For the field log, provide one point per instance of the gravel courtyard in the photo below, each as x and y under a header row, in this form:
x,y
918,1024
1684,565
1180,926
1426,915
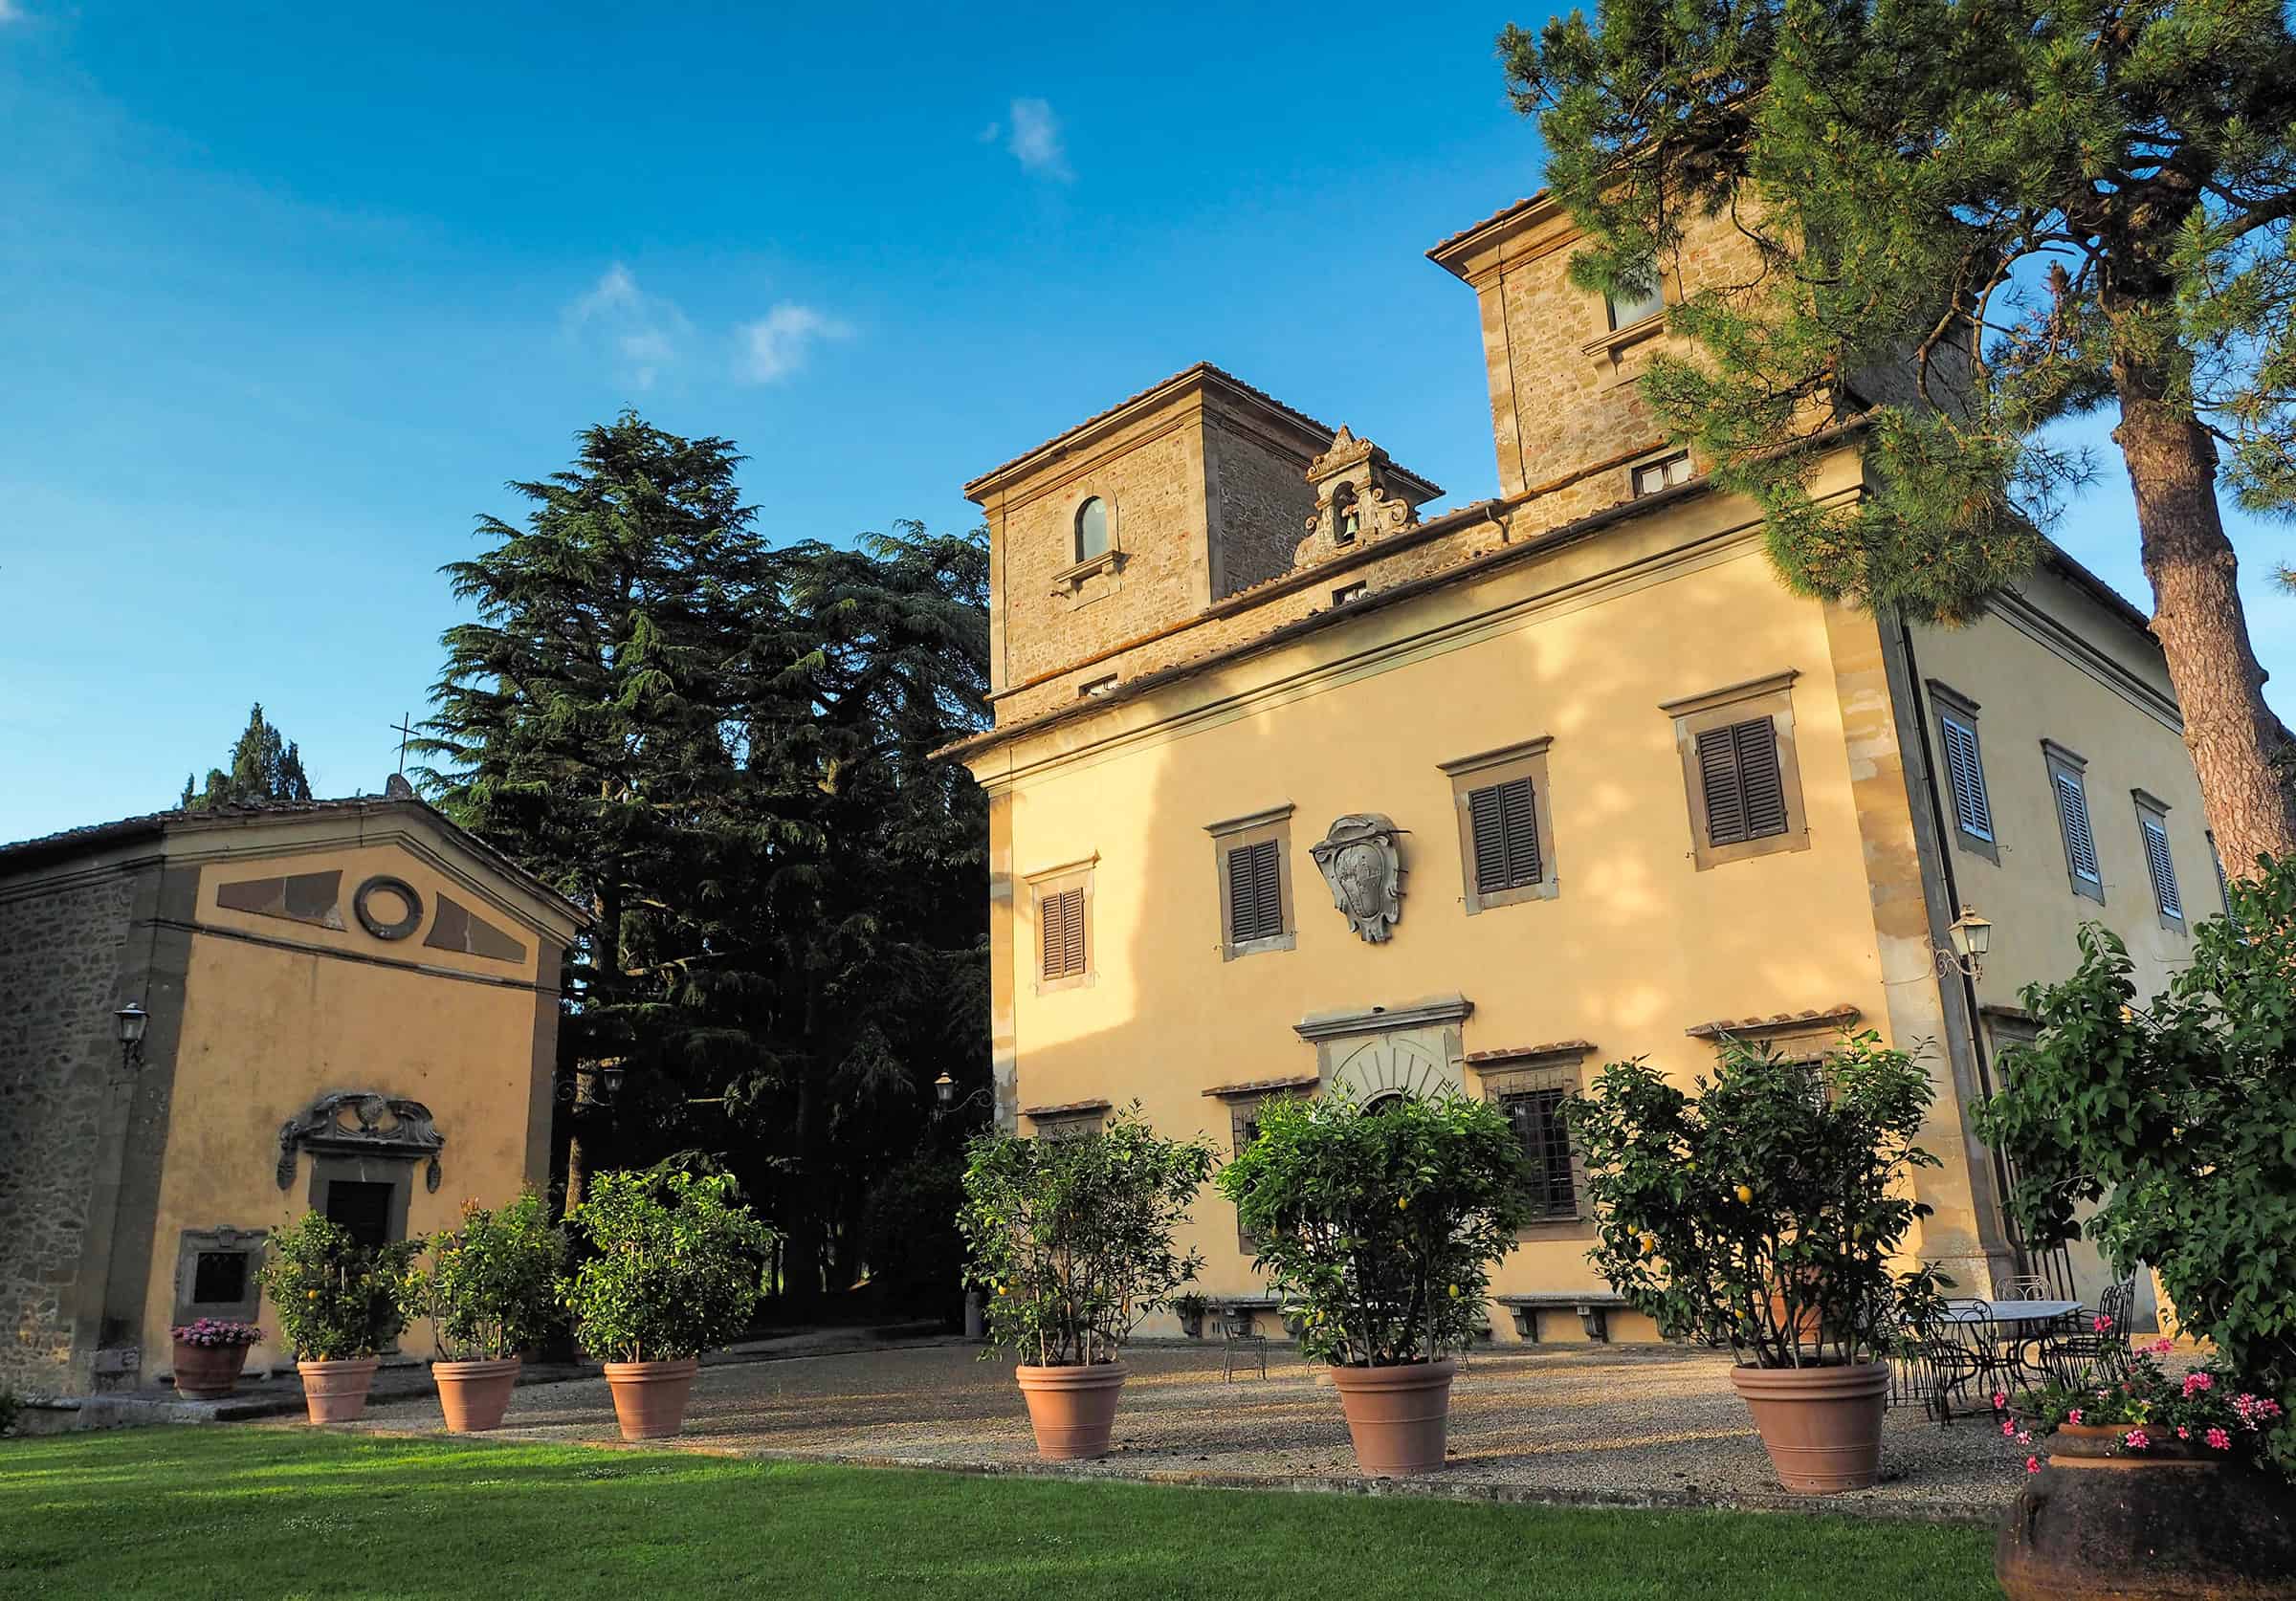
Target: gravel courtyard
x,y
1625,1425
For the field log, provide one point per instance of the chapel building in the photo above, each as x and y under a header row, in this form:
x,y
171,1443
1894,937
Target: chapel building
x,y
1295,782
350,1007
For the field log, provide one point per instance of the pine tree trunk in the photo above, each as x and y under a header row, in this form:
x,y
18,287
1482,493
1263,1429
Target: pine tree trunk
x,y
2202,627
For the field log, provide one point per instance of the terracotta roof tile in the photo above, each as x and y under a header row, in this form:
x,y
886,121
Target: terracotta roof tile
x,y
1841,1015
1500,216
1200,369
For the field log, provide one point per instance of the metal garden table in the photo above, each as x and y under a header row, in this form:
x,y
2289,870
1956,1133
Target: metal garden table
x,y
2020,1325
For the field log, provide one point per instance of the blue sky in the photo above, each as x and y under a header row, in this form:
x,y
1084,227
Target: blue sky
x,y
288,291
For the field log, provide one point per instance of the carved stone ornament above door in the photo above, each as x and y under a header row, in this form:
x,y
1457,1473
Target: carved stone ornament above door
x,y
379,1125
1359,859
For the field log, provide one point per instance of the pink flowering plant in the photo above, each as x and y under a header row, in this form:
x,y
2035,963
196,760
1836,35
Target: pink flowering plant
x,y
210,1333
2159,1126
2151,1410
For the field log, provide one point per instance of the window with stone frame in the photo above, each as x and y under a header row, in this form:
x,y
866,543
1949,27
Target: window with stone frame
x,y
216,1274
1068,1121
1962,771
1798,1042
2069,791
1506,820
1631,306
2152,828
1741,775
1649,477
1092,529
1532,1089
1251,857
1060,901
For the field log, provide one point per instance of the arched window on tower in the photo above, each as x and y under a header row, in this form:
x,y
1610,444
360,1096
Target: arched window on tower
x,y
1092,529
1347,520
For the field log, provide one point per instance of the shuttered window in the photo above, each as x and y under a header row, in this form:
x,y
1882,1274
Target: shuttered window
x,y
2163,866
1738,773
1504,819
1060,933
1256,895
2072,816
1973,812
1538,1123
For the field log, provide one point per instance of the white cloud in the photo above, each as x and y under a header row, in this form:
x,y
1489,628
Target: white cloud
x,y
1035,141
775,345
646,333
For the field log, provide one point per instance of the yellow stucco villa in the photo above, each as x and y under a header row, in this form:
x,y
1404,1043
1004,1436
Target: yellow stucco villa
x,y
1295,785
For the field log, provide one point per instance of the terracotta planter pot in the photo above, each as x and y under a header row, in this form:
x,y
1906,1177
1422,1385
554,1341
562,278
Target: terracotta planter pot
x,y
1822,1426
2092,1526
1071,1409
208,1373
474,1394
1400,1417
650,1397
336,1391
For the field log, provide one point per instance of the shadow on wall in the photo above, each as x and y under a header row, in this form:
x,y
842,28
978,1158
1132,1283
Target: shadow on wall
x,y
1636,947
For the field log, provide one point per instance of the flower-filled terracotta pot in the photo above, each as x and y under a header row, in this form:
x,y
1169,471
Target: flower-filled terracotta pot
x,y
2090,1524
208,1373
474,1395
1822,1426
1071,1409
336,1391
650,1397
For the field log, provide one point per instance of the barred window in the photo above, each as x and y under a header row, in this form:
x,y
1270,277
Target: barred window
x,y
1539,1124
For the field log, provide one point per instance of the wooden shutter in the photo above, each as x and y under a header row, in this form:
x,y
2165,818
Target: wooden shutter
x,y
1745,791
2164,870
1504,821
2072,815
1060,933
1255,891
1972,814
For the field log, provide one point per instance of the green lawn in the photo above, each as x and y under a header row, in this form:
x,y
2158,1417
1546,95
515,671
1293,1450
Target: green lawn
x,y
259,1514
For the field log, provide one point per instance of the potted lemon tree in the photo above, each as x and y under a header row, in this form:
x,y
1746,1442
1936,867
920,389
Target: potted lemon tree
x,y
489,1289
678,1269
1764,1214
1379,1225
338,1306
1070,1244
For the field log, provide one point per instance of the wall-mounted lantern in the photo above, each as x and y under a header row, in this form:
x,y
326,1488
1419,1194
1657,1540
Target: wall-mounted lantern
x,y
130,1022
1972,936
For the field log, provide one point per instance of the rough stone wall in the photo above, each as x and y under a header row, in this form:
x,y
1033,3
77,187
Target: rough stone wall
x,y
1155,492
1380,569
60,955
1264,500
1572,385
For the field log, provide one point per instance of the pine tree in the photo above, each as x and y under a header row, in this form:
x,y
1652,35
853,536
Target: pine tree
x,y
2030,212
264,768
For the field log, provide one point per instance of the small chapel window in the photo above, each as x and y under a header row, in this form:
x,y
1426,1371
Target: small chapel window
x,y
1092,529
1347,520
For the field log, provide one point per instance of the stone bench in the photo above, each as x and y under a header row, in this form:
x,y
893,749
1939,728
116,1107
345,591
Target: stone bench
x,y
1592,1306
